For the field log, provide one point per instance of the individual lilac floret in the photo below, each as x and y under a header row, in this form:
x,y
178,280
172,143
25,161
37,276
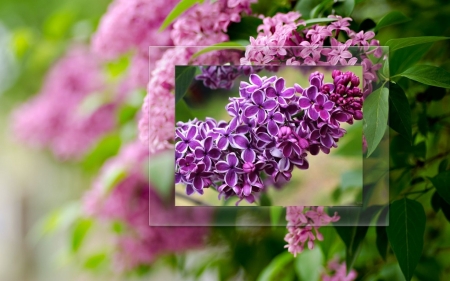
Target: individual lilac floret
x,y
223,76
273,128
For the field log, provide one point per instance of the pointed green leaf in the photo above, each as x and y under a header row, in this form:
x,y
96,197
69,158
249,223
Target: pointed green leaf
x,y
442,184
344,7
402,59
177,11
80,231
428,75
382,239
276,270
405,233
392,18
375,118
395,44
399,112
183,78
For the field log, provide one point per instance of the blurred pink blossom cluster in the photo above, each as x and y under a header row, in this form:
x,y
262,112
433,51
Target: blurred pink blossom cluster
x,y
303,227
202,25
127,200
132,24
72,110
338,272
285,39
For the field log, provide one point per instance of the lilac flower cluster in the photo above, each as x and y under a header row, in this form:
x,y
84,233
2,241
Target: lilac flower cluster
x,y
282,41
303,222
272,130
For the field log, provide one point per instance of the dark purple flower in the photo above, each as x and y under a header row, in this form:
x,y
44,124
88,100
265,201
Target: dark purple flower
x,y
230,168
259,106
187,164
198,177
323,106
187,140
272,119
248,153
279,93
226,135
307,102
207,152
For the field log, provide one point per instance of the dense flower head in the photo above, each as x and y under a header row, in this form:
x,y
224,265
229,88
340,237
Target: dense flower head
x,y
272,129
280,41
128,202
72,110
132,24
338,272
303,227
204,24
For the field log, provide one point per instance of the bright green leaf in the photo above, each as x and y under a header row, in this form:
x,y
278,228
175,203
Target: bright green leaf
x,y
305,7
79,232
276,214
161,173
177,11
237,45
375,118
405,233
105,148
183,112
308,264
442,184
94,261
428,75
183,78
315,21
399,112
392,18
395,44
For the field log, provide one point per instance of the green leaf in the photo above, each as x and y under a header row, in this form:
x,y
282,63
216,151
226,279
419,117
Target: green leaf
x,y
375,118
305,7
183,112
344,8
318,20
105,148
400,112
405,233
382,239
352,179
392,18
442,184
428,75
244,29
80,231
159,166
402,59
443,166
264,200
308,264
237,45
395,44
277,269
177,11
436,202
183,78
94,261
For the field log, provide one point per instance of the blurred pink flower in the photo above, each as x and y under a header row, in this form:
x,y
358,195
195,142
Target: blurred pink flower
x,y
130,24
338,272
128,201
72,111
301,223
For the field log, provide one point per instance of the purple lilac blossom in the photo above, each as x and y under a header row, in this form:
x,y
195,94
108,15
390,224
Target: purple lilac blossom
x,y
272,130
338,272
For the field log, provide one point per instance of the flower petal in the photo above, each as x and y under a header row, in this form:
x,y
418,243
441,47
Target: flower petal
x,y
214,153
240,141
269,104
279,85
304,103
311,93
222,167
288,93
271,92
328,105
222,144
192,132
251,111
325,115
181,146
231,178
272,128
232,160
248,155
258,97
313,114
255,79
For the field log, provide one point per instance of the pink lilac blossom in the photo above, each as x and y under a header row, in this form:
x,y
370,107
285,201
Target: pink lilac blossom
x,y
303,226
338,272
60,117
130,24
280,42
128,202
199,26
